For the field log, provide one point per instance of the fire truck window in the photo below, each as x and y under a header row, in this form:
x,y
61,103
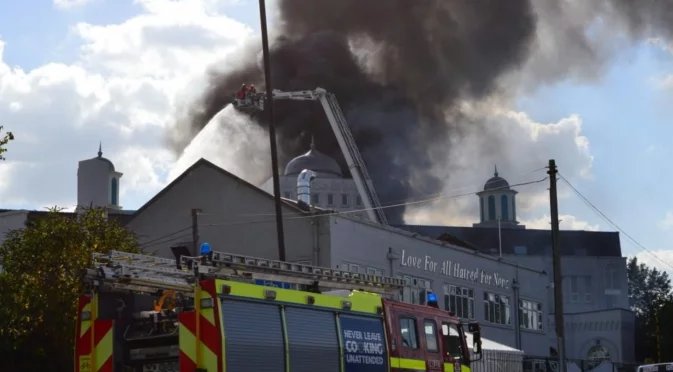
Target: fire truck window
x,y
431,335
451,339
408,333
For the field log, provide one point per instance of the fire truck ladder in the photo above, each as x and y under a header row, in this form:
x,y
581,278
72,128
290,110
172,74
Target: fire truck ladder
x,y
348,147
147,274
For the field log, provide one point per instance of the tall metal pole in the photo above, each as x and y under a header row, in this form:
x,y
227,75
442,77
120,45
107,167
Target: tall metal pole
x,y
272,132
558,281
195,231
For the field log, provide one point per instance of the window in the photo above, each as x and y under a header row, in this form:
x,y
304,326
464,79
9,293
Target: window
x,y
530,315
431,341
373,271
415,290
355,268
513,208
491,208
588,289
481,208
358,200
408,333
611,279
504,207
330,199
521,250
452,340
315,199
459,300
496,309
574,289
344,199
114,191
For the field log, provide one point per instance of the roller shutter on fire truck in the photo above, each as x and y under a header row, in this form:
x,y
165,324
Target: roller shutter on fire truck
x,y
253,336
312,339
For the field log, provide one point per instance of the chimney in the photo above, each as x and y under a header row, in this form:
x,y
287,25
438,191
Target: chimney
x,y
304,186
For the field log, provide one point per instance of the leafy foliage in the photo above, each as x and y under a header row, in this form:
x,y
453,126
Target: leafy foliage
x,y
43,264
651,297
4,141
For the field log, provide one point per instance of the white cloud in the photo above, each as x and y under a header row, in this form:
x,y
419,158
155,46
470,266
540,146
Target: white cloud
x,y
122,89
130,78
566,222
660,259
667,222
529,147
67,4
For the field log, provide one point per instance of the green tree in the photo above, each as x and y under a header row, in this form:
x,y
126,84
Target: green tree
x,y
650,295
4,141
43,263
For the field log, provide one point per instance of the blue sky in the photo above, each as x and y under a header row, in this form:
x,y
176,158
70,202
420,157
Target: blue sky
x,y
626,114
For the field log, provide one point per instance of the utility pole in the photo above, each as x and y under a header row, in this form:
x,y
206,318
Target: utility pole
x,y
195,231
272,132
558,279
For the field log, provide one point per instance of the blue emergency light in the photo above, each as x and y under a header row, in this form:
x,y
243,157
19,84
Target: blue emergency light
x,y
205,249
432,297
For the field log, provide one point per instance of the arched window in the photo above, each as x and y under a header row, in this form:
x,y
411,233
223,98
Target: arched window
x,y
481,208
114,188
491,208
597,354
513,208
504,207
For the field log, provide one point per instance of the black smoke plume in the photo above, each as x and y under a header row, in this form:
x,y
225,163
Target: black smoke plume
x,y
423,56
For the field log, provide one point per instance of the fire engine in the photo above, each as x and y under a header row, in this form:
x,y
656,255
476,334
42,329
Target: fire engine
x,y
218,312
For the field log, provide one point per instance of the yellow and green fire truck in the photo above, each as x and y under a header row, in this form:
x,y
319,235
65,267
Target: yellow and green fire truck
x,y
222,312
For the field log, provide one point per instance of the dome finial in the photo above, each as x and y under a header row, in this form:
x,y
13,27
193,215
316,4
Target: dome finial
x,y
100,149
312,142
495,173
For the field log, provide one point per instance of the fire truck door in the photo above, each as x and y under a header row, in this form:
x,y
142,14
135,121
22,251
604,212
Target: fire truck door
x,y
433,356
451,345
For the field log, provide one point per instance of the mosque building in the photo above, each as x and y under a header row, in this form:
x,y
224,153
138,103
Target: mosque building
x,y
496,272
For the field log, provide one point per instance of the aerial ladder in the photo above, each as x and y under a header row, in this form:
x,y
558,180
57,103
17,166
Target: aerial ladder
x,y
356,165
142,303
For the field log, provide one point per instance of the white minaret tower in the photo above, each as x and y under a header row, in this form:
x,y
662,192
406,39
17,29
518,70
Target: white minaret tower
x,y
98,183
497,204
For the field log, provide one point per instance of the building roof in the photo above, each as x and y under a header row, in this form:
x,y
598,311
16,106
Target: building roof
x,y
496,182
313,160
203,162
536,242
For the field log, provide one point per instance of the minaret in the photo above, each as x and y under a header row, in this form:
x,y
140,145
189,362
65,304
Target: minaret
x,y
98,183
497,204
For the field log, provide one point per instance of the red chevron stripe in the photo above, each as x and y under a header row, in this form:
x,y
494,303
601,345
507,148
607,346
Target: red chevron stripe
x,y
84,343
209,287
211,335
188,320
101,328
186,364
107,366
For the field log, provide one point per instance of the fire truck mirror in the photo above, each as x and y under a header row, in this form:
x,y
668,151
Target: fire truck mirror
x,y
476,337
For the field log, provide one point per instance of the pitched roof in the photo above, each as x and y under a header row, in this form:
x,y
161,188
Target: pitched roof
x,y
206,163
536,242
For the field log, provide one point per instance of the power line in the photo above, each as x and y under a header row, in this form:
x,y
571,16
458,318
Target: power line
x,y
608,220
426,198
327,213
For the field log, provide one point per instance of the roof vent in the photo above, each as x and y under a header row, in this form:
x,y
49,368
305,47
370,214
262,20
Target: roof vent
x,y
304,186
